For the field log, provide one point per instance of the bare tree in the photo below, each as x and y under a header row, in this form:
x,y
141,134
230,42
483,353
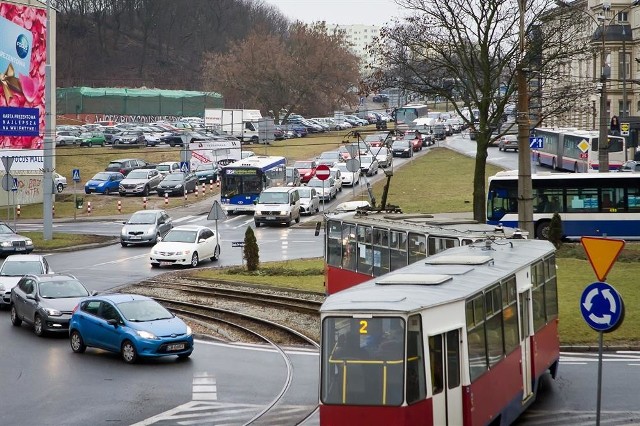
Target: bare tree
x,y
467,52
272,72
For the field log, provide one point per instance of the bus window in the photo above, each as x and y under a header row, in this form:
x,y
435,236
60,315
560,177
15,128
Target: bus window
x,y
582,200
365,249
398,249
509,315
334,243
501,202
612,200
436,362
493,304
438,244
633,199
417,247
551,288
476,340
453,359
380,251
416,386
537,294
349,246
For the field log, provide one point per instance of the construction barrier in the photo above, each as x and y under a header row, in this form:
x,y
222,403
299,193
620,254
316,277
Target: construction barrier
x,y
196,193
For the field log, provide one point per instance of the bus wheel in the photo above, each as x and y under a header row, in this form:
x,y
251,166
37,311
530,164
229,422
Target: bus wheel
x,y
542,230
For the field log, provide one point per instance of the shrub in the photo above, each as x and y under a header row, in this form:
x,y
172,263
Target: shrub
x,y
555,230
251,250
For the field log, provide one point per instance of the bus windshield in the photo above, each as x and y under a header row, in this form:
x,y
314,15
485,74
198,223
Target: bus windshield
x,y
241,181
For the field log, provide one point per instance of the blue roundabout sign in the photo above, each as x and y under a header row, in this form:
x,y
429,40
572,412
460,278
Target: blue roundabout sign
x,y
602,307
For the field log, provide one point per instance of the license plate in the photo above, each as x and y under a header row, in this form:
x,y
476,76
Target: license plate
x,y
176,347
271,218
20,248
136,237
165,263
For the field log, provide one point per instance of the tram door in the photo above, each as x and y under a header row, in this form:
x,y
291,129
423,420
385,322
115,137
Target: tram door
x,y
446,388
525,342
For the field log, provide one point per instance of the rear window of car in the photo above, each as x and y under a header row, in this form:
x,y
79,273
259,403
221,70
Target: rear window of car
x,y
115,164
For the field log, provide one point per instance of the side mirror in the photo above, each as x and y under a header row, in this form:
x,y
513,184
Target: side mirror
x,y
202,240
124,222
255,202
113,322
31,296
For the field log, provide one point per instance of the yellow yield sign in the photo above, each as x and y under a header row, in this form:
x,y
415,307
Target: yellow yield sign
x,y
602,254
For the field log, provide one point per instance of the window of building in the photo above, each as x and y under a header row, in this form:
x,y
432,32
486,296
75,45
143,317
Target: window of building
x,y
624,65
623,16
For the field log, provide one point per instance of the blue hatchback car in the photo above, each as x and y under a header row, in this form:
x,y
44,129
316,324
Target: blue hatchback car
x,y
104,183
133,325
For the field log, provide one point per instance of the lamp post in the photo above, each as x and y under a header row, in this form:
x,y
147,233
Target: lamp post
x,y
47,172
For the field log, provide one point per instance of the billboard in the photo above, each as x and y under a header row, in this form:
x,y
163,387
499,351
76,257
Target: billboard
x,y
22,81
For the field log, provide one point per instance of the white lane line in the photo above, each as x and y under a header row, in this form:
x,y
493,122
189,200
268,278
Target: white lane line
x,y
182,219
204,387
243,224
112,261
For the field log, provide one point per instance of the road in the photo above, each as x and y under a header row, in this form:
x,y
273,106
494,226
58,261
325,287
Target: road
x,y
45,383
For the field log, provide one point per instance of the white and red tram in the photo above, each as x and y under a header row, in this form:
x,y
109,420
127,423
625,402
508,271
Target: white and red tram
x,y
460,338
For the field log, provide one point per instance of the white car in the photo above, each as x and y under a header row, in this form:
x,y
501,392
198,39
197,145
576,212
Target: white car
x,y
186,245
168,167
336,175
326,188
16,266
309,200
348,178
59,181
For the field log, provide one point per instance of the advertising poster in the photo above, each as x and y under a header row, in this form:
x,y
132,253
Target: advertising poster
x,y
22,81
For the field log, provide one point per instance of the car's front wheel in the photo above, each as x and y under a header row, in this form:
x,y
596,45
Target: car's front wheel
x,y
77,343
15,319
107,191
195,260
129,352
38,325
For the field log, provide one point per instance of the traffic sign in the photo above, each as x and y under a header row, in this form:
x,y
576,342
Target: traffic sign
x,y
216,212
624,129
7,182
237,243
602,307
323,172
14,188
75,175
602,253
7,162
352,150
184,166
583,145
536,143
353,165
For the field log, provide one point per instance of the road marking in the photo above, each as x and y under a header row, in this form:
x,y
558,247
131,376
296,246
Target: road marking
x,y
140,256
243,224
204,387
183,219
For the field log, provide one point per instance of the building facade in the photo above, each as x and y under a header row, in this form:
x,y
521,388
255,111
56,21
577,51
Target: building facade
x,y
359,37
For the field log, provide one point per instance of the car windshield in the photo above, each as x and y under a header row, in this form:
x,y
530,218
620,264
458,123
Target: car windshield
x,y
142,218
137,174
174,177
101,176
86,135
364,159
317,183
304,192
143,310
62,289
4,229
399,144
180,236
330,155
203,167
115,164
21,267
342,167
274,198
163,167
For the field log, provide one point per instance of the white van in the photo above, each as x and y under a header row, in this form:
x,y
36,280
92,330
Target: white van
x,y
277,205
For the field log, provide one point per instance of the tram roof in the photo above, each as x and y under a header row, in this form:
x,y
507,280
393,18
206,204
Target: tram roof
x,y
427,223
452,275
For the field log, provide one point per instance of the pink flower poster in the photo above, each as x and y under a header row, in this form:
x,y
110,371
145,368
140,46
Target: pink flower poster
x,y
22,76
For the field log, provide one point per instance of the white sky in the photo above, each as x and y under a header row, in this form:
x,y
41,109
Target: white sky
x,y
343,12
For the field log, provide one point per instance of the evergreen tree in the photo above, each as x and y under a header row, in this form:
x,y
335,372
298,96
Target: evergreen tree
x,y
251,250
555,230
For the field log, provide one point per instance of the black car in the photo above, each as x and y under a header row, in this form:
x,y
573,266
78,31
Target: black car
x,y
46,301
178,184
125,165
129,139
402,148
207,172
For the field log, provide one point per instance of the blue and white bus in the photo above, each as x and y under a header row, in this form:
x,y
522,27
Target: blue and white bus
x,y
590,204
242,181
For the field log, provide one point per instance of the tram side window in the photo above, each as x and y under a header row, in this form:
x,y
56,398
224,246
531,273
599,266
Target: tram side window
x,y
334,243
509,314
349,246
436,361
633,199
582,200
398,249
438,244
416,382
380,251
495,346
551,288
417,247
453,359
365,250
476,341
538,302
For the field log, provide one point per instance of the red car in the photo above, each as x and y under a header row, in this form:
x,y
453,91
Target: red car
x,y
416,142
307,169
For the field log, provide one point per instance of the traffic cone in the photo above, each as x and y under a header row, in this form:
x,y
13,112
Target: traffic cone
x,y
211,185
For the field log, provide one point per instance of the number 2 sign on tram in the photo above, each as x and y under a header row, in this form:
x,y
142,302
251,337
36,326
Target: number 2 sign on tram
x,y
322,172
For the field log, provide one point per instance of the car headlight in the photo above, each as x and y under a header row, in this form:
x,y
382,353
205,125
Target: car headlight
x,y
121,187
28,242
7,244
189,331
146,335
140,185
2,288
283,213
178,186
53,312
258,212
151,231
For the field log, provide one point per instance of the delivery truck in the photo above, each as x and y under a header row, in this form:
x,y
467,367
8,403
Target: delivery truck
x,y
241,123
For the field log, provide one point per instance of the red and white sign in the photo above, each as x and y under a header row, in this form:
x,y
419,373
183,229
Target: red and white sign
x,y
322,172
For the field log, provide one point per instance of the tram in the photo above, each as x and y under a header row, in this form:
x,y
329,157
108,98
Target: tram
x,y
461,338
362,245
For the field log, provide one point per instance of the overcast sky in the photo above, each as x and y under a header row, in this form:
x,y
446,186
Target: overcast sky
x,y
343,12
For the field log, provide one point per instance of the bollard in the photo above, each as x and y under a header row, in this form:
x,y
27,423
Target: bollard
x,y
18,211
211,185
196,193
144,202
53,210
88,207
218,183
204,189
119,206
166,198
185,195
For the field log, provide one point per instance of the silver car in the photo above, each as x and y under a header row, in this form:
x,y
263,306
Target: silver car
x,y
17,266
46,301
383,155
145,227
140,182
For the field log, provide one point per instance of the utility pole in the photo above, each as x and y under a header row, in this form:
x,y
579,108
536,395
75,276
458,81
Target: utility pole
x,y
525,191
603,139
47,172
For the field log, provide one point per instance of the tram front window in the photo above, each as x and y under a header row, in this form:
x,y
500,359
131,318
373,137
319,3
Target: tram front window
x,y
363,361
